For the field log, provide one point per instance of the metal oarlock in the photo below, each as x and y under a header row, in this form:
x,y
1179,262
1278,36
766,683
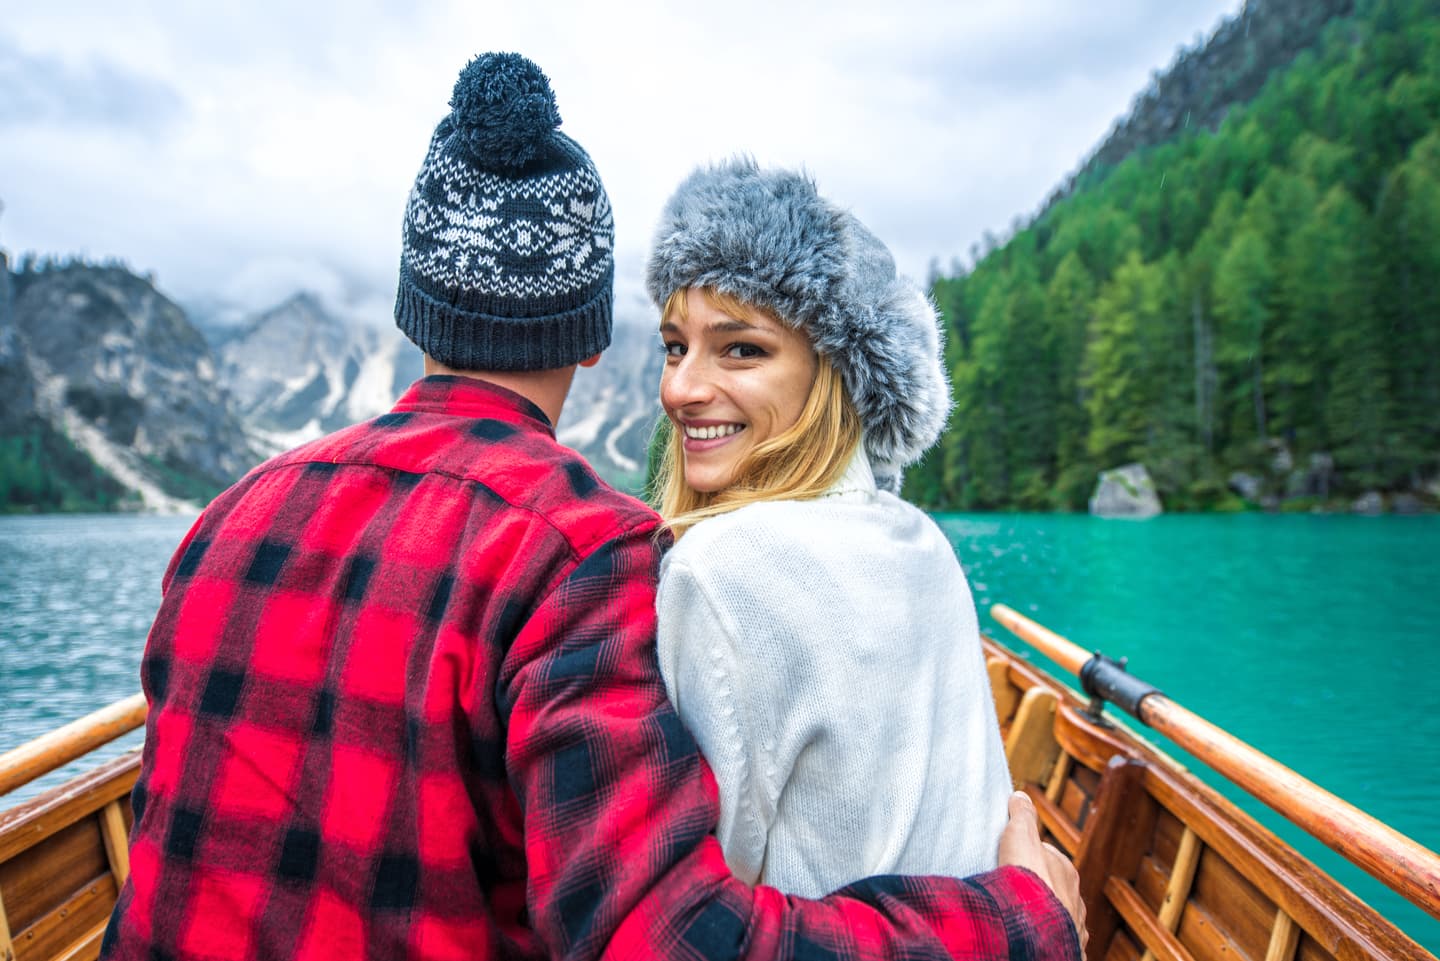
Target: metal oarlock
x,y
1106,679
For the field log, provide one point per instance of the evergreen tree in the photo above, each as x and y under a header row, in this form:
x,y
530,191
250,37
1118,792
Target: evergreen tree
x,y
1068,307
1409,221
1120,381
1243,288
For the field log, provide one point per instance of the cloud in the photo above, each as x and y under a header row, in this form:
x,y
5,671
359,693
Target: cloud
x,y
199,141
43,90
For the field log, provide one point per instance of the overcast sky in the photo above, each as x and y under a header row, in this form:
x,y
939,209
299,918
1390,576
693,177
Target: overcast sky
x,y
252,149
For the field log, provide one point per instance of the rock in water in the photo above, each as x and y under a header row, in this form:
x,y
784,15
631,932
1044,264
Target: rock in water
x,y
1369,502
1125,492
1249,486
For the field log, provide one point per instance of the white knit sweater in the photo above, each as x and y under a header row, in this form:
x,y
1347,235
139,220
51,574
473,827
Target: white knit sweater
x,y
826,656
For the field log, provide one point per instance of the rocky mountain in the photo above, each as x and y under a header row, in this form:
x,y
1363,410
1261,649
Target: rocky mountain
x,y
114,399
297,371
16,385
104,364
613,406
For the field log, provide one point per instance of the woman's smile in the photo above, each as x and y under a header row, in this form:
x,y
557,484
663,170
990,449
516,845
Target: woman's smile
x,y
700,437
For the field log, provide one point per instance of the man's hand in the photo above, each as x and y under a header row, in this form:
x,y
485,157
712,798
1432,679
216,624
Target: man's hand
x,y
1020,846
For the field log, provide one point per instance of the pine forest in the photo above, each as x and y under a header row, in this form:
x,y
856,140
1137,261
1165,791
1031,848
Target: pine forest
x,y
1250,308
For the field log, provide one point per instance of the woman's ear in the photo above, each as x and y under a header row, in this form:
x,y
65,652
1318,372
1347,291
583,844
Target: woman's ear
x,y
590,361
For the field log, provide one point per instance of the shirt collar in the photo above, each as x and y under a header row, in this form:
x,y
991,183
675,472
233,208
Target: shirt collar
x,y
471,397
858,477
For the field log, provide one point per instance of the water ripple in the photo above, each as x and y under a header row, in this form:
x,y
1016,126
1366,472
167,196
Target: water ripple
x,y
77,594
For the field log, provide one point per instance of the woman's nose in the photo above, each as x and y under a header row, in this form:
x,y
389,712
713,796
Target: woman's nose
x,y
684,383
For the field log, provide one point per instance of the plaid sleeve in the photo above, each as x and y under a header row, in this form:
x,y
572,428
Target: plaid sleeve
x,y
619,806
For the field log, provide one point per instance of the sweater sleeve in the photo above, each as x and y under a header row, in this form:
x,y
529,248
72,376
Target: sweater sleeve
x,y
618,805
701,662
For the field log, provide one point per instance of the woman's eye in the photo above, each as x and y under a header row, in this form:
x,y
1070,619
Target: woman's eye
x,y
744,351
673,349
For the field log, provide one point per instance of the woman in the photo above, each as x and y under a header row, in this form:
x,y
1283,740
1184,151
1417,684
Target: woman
x,y
816,632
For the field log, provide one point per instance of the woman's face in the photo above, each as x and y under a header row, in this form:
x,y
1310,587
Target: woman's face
x,y
730,383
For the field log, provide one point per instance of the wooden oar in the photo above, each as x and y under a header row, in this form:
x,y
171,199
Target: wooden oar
x,y
1401,863
64,744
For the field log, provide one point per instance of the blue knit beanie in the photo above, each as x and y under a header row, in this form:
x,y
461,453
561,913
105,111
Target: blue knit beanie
x,y
507,256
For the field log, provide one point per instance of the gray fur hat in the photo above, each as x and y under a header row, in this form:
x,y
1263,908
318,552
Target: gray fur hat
x,y
768,238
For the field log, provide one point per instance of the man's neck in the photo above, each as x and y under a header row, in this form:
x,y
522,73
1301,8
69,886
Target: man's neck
x,y
546,389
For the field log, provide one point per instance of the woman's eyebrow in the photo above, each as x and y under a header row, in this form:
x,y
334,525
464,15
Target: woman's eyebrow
x,y
732,325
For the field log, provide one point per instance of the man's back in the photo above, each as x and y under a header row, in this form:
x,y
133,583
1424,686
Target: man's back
x,y
328,674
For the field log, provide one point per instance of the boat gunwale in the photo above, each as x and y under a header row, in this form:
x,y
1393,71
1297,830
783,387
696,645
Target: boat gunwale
x,y
1335,917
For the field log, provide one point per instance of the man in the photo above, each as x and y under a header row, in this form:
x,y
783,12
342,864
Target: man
x,y
404,698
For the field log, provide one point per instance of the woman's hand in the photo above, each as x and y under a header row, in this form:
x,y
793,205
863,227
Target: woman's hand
x,y
1020,846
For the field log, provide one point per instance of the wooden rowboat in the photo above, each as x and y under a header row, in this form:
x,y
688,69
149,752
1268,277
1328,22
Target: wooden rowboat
x,y
1169,869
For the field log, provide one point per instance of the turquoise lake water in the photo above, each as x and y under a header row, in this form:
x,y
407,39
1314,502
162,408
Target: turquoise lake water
x,y
1315,638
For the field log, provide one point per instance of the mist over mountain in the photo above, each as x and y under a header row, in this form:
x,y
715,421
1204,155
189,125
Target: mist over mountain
x,y
297,371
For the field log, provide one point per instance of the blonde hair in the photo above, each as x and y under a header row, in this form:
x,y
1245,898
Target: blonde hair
x,y
800,463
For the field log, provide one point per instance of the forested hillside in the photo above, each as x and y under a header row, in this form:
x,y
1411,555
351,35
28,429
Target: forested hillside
x,y
1252,309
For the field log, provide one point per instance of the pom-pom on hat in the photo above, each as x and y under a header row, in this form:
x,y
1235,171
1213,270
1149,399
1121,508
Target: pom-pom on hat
x,y
769,239
507,258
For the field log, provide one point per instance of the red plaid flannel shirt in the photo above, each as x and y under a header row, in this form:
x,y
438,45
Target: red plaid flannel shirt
x,y
405,704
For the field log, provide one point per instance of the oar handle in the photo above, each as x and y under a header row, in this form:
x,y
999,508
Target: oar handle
x,y
64,744
1062,651
1406,866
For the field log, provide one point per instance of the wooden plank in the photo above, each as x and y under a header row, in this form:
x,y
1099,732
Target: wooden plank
x,y
1339,922
1238,907
88,947
1025,675
1006,695
7,947
1168,831
1074,801
28,824
1030,746
1177,892
1117,835
1122,948
1206,939
1284,939
1058,777
1407,867
1151,880
64,744
61,929
1078,795
117,843
1310,950
1182,876
1091,744
1158,942
46,875
1054,820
